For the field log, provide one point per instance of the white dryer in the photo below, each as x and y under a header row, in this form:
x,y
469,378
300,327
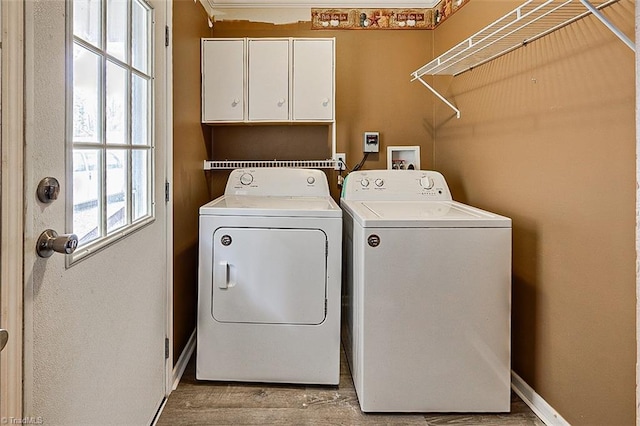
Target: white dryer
x,y
427,296
269,279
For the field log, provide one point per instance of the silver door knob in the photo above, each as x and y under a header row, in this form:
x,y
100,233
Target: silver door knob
x,y
4,336
50,242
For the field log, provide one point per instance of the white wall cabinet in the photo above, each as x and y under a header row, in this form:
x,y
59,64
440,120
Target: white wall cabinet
x,y
313,79
268,80
223,65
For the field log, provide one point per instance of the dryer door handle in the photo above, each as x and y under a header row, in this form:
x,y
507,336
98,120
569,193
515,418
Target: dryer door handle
x,y
221,274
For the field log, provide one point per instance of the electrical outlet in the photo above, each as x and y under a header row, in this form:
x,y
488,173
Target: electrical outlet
x,y
341,161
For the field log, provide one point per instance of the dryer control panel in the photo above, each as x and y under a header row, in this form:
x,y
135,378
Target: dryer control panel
x,y
277,182
390,185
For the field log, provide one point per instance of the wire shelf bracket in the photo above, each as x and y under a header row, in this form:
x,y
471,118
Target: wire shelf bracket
x,y
622,36
442,98
530,21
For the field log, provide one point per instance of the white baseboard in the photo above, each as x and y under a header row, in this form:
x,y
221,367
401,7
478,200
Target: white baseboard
x,y
178,370
538,405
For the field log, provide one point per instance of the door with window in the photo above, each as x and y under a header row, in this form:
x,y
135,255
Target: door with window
x,y
96,281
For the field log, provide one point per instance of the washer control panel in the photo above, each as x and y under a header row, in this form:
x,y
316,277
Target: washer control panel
x,y
390,185
277,181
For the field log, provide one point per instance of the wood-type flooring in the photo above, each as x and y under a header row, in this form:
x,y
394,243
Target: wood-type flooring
x,y
197,402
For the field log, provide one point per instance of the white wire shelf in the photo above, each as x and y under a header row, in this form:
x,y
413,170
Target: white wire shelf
x,y
532,20
246,164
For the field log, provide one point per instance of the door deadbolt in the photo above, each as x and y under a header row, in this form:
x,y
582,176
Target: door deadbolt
x,y
50,242
48,190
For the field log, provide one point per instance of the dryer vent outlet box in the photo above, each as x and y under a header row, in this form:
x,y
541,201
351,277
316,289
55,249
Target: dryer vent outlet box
x,y
371,141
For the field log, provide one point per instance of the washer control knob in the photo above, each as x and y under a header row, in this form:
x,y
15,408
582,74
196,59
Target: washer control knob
x,y
364,182
379,182
311,180
426,182
246,178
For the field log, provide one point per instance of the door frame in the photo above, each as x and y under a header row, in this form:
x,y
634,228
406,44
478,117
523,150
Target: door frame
x,y
12,212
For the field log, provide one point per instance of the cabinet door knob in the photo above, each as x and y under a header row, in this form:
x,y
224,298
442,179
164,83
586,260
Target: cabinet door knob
x,y
280,101
235,102
325,102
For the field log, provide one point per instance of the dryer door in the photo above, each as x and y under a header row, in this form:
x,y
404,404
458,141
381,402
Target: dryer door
x,y
269,275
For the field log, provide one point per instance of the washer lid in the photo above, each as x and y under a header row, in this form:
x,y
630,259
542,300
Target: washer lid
x,y
247,205
421,214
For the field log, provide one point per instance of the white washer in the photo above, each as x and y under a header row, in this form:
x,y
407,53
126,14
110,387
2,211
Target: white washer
x,y
427,296
269,279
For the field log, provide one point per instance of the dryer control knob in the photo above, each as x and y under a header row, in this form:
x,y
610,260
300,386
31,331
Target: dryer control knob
x,y
364,182
379,182
311,180
246,178
426,182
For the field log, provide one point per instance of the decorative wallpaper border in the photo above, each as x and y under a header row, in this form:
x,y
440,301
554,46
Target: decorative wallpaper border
x,y
384,18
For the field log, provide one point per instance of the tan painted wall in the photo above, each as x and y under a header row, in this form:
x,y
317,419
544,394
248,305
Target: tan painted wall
x,y
190,188
547,137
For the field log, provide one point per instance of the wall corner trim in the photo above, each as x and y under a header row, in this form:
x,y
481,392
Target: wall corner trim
x,y
185,356
538,405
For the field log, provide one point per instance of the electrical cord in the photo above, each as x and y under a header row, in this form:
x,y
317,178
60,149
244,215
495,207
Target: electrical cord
x,y
355,168
361,163
345,167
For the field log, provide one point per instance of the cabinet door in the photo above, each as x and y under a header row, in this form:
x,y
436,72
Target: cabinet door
x,y
269,79
223,80
313,79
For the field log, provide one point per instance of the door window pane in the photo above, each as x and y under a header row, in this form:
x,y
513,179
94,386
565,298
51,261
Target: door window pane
x,y
140,111
140,182
86,194
116,163
86,95
87,20
117,28
140,36
116,113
